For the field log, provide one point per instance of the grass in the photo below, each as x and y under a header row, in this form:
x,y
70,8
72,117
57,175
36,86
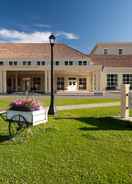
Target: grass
x,y
76,147
5,100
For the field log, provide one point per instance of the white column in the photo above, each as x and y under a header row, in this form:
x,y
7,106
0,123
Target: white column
x,y
104,81
46,80
65,83
125,100
119,81
4,82
93,82
97,81
90,87
101,82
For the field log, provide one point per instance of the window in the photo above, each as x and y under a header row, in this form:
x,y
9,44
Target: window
x,y
29,63
120,51
38,62
112,81
66,62
10,63
70,62
15,62
57,62
105,51
127,79
84,62
82,83
70,83
24,62
43,63
60,83
80,62
71,78
1,63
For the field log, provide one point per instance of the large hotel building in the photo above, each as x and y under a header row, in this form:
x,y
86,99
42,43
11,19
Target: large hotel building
x,y
103,70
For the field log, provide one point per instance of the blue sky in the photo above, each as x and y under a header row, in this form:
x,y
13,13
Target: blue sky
x,y
79,23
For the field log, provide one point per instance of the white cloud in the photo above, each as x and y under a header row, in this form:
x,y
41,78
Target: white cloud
x,y
70,36
8,35
42,25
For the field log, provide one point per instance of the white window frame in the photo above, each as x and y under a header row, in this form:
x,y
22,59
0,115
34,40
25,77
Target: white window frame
x,y
112,81
105,51
60,83
120,51
127,79
82,83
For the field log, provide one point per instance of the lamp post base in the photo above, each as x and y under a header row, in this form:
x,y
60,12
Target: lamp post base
x,y
52,110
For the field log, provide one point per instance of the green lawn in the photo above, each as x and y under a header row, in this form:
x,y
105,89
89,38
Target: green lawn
x,y
75,147
5,100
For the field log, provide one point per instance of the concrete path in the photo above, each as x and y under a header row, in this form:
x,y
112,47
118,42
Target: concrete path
x,y
80,106
87,106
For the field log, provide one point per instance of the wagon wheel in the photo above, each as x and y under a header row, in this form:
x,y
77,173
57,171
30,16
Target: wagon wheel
x,y
17,124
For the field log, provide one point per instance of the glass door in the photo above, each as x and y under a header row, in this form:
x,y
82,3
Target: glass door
x,y
72,84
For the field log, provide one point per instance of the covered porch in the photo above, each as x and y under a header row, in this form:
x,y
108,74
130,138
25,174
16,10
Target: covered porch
x,y
77,81
20,81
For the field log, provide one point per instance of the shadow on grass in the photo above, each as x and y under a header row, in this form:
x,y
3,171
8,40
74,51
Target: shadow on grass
x,y
101,123
105,123
4,138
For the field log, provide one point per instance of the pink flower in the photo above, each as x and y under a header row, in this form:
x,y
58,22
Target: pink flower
x,y
25,103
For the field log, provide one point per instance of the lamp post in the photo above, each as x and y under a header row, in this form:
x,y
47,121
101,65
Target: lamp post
x,y
51,110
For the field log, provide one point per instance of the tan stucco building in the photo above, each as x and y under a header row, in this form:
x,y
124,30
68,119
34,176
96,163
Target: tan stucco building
x,y
105,69
116,62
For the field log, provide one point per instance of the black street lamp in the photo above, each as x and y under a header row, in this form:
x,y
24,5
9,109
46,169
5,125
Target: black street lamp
x,y
51,110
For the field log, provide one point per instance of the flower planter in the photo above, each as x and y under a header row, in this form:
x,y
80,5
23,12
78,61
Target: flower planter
x,y
34,117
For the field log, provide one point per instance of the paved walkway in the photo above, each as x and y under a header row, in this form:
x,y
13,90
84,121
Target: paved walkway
x,y
87,106
81,106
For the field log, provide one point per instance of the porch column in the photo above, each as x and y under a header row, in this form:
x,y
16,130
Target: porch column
x,y
65,83
4,82
119,80
88,84
97,81
105,81
45,82
93,82
1,87
102,82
